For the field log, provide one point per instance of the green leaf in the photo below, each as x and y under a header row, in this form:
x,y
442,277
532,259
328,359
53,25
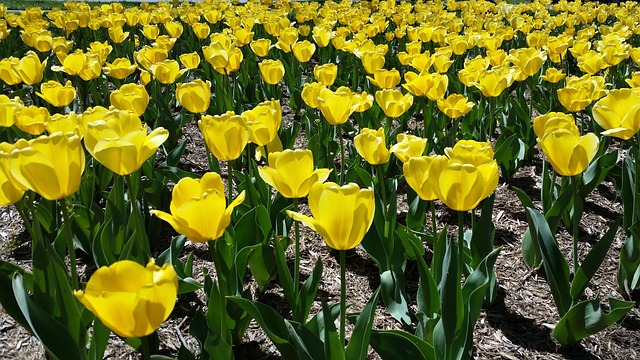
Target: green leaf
x,y
510,153
406,236
7,297
596,172
262,264
359,343
587,318
401,345
333,348
592,262
416,215
393,291
99,340
218,340
307,293
555,265
286,281
451,302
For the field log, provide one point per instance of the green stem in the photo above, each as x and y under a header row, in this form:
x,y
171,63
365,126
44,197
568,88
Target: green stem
x,y
635,212
229,183
341,155
343,295
145,349
460,242
434,225
577,212
141,233
69,236
296,268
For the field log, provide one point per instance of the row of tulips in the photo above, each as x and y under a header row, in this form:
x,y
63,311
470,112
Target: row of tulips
x,y
122,83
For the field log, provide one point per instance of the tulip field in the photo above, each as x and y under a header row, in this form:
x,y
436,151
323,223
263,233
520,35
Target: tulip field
x,y
320,180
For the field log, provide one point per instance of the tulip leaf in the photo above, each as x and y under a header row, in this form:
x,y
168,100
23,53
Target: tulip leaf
x,y
99,340
393,291
401,345
592,262
262,264
218,341
407,236
359,344
333,348
416,215
308,293
7,297
510,154
372,244
587,318
53,335
427,296
555,265
174,173
596,172
316,323
481,244
451,302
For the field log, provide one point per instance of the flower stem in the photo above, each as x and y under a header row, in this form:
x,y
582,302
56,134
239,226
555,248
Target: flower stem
x,y
296,266
69,236
229,183
141,233
343,295
575,226
460,242
341,155
434,225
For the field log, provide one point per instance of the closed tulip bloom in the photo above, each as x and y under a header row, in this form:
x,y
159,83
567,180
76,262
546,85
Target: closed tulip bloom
x,y
66,123
441,60
272,71
619,113
494,81
190,60
591,62
416,173
8,72
201,30
151,32
408,146
567,151
337,106
30,68
130,97
393,102
260,47
385,79
31,119
72,64
263,122
543,124
150,55
56,94
242,36
130,299
303,50
121,143
362,101
174,28
291,172
322,36
455,105
226,135
9,109
120,68
118,35
470,152
10,190
52,166
372,61
430,85
371,145
326,74
92,67
167,71
194,96
311,93
199,208
341,215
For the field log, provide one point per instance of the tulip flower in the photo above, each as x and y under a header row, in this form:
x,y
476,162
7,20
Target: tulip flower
x,y
574,98
494,81
337,106
385,79
272,71
52,166
148,56
130,299
263,122
567,151
167,71
416,173
12,191
29,68
553,75
619,113
201,30
260,47
193,198
31,119
174,29
303,50
9,109
371,146
408,146
8,72
372,61
291,172
528,61
326,73
120,68
194,96
433,86
322,36
393,102
56,94
120,142
311,93
455,105
131,97
341,215
226,135
151,31
117,35
66,123
190,60
553,121
441,60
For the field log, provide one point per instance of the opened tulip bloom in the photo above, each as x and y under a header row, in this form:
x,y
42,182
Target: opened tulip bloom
x,y
311,94
341,215
416,173
371,145
337,106
131,97
57,94
194,96
455,105
263,122
130,299
619,113
226,135
120,68
199,208
52,166
393,102
408,146
553,121
425,84
567,151
30,68
167,71
385,79
291,172
121,143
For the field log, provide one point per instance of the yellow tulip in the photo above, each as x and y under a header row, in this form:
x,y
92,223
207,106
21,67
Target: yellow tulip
x,y
120,142
433,86
322,36
151,32
494,81
130,97
553,121
130,299
193,198
66,123
272,71
263,122
591,62
393,102
167,71
634,81
190,60
385,79
416,173
56,94
31,119
553,75
372,61
291,172
8,72
371,146
12,191
574,98
117,35
341,215
303,50
9,110
194,96
326,73
455,105
337,106
201,30
261,47
619,113
242,36
30,68
174,29
311,94
148,56
52,166
528,60
567,151
226,135
441,60
497,57
408,146
120,68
